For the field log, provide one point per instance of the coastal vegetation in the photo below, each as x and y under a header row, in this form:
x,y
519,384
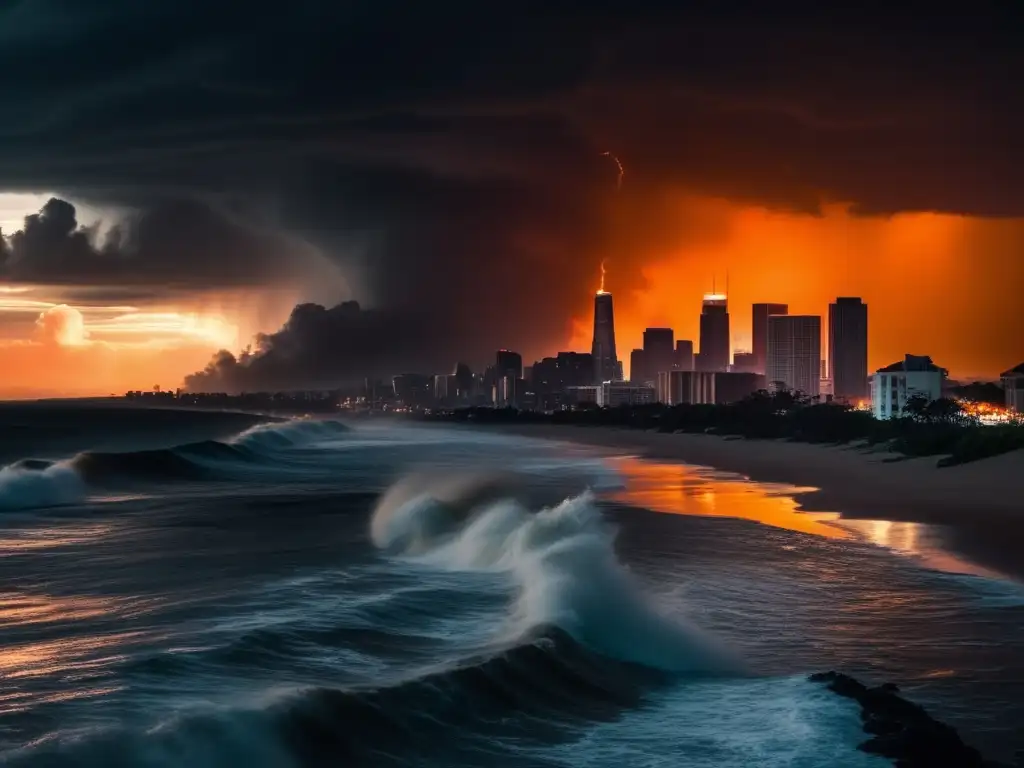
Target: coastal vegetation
x,y
941,428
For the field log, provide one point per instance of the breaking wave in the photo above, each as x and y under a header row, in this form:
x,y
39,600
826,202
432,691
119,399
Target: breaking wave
x,y
581,645
34,483
562,559
31,483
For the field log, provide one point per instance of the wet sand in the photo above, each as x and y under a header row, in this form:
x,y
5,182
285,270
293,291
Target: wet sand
x,y
976,509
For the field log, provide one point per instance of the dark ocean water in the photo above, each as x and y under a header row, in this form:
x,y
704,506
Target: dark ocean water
x,y
192,590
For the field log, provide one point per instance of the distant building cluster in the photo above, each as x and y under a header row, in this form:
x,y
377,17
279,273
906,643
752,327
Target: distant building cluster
x,y
786,356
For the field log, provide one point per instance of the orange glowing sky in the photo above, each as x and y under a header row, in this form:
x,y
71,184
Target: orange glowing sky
x,y
943,285
937,284
49,348
74,341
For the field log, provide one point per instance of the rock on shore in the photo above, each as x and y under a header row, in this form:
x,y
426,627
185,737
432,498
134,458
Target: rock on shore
x,y
901,730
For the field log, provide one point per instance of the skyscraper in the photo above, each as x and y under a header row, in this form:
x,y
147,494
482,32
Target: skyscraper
x,y
576,368
848,348
463,381
684,355
715,347
638,366
606,363
508,384
509,363
794,353
659,356
551,376
760,321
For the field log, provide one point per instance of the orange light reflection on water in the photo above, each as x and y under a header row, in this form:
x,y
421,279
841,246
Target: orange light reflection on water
x,y
12,543
66,655
19,609
688,490
701,491
912,539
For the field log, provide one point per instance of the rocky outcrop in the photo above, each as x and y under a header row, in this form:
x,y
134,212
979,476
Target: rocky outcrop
x,y
901,730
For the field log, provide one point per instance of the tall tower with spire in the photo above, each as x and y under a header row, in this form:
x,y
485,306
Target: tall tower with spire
x,y
606,362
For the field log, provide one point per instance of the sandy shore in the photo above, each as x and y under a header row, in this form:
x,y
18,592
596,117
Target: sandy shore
x,y
980,504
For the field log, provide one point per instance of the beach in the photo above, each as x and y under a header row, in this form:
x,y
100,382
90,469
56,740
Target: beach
x,y
977,508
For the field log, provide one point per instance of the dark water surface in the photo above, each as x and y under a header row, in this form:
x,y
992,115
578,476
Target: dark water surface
x,y
308,594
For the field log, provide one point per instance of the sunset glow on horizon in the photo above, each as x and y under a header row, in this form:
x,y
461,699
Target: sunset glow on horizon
x,y
49,348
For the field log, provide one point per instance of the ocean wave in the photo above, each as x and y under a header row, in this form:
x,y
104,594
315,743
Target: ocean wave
x,y
533,693
562,559
32,483
278,435
35,483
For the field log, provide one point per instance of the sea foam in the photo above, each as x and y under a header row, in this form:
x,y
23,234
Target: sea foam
x,y
563,562
25,486
36,483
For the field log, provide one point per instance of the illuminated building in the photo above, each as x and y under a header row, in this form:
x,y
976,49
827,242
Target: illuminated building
x,y
1013,384
848,348
659,352
760,328
606,362
507,383
686,387
706,387
715,346
616,393
893,385
684,355
794,353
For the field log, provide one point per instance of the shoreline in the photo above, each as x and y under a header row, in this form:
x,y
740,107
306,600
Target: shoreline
x,y
976,509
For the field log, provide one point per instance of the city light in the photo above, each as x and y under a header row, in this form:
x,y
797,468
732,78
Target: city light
x,y
988,414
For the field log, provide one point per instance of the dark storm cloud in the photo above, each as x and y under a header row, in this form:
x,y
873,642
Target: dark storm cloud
x,y
318,347
447,154
173,245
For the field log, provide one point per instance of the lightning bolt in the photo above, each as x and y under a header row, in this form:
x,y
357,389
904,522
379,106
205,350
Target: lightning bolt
x,y
618,163
618,186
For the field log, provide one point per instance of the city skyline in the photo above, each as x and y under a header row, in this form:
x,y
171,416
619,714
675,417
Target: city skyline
x,y
304,228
